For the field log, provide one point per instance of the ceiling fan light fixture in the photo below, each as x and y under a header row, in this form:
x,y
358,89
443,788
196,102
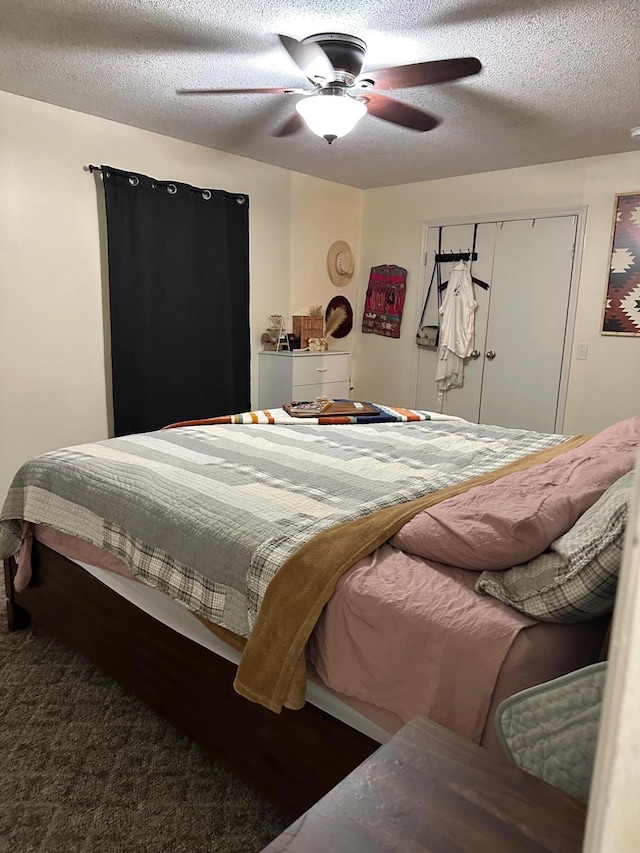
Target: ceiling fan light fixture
x,y
331,113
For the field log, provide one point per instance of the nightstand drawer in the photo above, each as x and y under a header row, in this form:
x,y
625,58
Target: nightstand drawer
x,y
321,367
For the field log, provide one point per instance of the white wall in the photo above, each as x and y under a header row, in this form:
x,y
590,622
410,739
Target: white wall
x,y
52,352
602,389
321,213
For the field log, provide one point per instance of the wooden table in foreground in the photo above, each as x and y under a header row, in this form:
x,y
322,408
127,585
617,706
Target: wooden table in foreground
x,y
430,790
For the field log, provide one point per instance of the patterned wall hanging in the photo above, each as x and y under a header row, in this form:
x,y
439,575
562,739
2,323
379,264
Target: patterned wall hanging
x,y
622,303
385,301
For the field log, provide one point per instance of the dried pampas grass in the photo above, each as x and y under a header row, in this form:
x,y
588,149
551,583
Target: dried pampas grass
x,y
335,318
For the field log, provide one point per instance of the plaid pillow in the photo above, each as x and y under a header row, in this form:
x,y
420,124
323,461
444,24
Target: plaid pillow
x,y
576,579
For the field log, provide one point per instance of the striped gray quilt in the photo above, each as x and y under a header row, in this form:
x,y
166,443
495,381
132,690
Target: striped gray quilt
x,y
209,514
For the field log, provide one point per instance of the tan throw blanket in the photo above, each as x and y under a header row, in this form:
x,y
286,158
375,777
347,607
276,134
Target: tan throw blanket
x,y
272,670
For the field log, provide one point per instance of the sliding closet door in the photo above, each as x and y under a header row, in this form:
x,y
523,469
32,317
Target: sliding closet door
x,y
463,402
527,322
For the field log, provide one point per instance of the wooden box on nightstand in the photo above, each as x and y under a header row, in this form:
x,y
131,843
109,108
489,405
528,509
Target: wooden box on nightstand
x,y
306,327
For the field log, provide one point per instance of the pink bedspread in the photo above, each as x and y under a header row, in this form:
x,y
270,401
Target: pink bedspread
x,y
413,637
512,520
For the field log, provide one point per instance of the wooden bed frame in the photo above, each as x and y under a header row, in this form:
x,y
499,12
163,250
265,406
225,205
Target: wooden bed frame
x,y
292,758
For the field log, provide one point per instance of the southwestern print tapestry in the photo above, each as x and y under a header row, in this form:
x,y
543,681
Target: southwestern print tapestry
x,y
622,303
384,302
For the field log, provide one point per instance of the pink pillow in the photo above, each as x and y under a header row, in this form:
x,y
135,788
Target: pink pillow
x,y
516,518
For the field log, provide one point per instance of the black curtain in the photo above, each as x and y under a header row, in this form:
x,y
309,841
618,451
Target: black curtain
x,y
179,301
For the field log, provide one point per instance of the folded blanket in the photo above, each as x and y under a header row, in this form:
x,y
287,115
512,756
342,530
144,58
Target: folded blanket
x,y
384,415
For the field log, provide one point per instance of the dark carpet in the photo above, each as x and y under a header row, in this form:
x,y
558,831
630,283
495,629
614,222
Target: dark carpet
x,y
85,768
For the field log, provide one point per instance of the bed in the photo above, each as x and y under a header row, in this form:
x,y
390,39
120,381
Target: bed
x,y
328,498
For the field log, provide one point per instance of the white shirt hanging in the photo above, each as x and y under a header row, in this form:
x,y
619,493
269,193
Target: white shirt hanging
x,y
457,330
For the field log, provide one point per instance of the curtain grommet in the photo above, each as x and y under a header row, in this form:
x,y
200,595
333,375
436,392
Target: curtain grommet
x,y
172,189
134,180
206,194
240,199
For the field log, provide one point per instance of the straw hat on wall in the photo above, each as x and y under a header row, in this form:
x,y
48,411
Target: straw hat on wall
x,y
340,263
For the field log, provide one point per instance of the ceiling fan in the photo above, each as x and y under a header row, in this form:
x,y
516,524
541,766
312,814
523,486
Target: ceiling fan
x,y
342,94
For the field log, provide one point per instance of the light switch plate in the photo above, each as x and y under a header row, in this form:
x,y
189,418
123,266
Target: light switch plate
x,y
581,351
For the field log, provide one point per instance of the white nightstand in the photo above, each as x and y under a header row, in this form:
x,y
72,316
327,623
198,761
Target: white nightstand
x,y
301,375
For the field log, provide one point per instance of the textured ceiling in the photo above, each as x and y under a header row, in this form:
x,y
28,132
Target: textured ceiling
x,y
561,78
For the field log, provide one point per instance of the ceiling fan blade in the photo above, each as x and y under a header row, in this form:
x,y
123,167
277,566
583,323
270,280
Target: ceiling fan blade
x,y
291,126
309,57
398,113
269,91
424,73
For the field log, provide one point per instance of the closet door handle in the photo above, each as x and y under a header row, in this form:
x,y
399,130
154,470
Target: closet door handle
x,y
321,369
475,353
490,354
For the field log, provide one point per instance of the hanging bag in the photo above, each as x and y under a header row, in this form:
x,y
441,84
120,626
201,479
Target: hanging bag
x,y
429,335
